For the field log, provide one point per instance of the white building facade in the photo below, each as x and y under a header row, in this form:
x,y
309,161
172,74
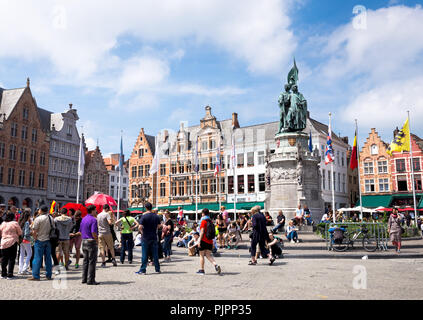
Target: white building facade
x,y
64,157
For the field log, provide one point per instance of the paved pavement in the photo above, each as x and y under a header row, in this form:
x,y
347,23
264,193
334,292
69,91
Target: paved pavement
x,y
288,278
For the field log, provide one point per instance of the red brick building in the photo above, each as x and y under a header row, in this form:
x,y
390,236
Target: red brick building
x,y
401,180
24,149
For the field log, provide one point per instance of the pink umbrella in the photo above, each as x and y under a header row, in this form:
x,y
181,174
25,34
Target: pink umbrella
x,y
100,199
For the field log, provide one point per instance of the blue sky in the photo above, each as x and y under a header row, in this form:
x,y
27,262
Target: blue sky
x,y
153,64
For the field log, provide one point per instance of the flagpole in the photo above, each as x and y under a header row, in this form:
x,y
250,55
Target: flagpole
x,y
358,168
79,167
218,177
197,168
332,174
120,176
234,171
158,172
412,169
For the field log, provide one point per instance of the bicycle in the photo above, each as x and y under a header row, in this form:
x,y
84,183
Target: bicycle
x,y
369,243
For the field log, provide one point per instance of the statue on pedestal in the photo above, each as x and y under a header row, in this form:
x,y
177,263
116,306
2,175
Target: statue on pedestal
x,y
293,105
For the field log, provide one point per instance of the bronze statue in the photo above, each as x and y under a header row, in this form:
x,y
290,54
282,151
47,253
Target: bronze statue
x,y
293,105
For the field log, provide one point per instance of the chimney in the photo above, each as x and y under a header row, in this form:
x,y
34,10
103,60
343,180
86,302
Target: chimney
x,y
70,105
27,82
345,139
235,122
396,132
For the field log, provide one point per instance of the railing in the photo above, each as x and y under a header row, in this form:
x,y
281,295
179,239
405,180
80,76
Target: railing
x,y
375,229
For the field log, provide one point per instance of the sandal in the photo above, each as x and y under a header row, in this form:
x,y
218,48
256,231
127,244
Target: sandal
x,y
251,263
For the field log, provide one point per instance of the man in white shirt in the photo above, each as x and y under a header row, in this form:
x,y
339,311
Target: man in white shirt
x,y
299,215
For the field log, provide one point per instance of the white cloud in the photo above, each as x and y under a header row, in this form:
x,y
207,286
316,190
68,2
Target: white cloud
x,y
204,90
78,36
386,106
389,48
141,72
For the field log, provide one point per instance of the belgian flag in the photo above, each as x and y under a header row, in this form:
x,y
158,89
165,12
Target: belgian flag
x,y
353,160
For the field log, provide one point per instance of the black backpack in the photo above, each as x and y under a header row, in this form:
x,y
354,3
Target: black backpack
x,y
210,230
338,235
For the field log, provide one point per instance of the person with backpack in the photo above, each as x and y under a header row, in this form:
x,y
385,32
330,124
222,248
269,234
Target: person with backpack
x,y
42,227
205,241
128,225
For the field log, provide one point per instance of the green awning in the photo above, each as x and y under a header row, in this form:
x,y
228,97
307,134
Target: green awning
x,y
376,201
214,206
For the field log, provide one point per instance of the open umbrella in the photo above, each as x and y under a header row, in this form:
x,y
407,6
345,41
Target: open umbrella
x,y
383,209
76,206
99,200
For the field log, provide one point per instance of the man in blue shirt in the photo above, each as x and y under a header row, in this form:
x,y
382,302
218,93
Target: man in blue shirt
x,y
149,224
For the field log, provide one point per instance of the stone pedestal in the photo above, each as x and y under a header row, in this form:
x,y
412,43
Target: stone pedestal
x,y
293,177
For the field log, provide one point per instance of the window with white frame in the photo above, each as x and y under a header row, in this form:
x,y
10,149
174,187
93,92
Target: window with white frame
x,y
382,166
368,167
383,185
369,185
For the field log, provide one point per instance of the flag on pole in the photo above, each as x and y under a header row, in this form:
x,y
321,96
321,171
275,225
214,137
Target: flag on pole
x,y
121,157
310,143
217,166
156,159
81,160
401,141
53,204
353,160
329,150
233,154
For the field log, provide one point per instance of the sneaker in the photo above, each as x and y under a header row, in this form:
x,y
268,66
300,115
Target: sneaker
x,y
158,272
57,272
21,273
4,277
141,273
9,278
201,272
298,241
76,266
26,272
103,264
218,269
114,263
292,241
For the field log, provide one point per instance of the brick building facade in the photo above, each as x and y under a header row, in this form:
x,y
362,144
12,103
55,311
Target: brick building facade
x,y
142,185
24,149
96,177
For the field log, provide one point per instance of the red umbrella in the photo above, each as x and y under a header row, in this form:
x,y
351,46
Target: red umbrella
x,y
137,211
76,206
406,209
100,199
384,209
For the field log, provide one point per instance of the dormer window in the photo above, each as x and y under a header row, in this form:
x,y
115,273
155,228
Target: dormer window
x,y
374,149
